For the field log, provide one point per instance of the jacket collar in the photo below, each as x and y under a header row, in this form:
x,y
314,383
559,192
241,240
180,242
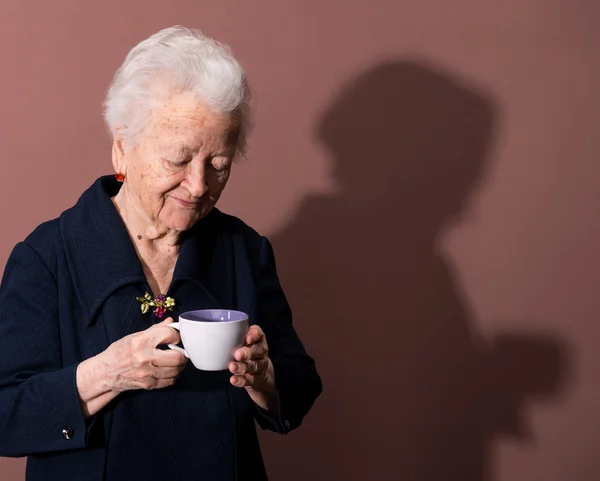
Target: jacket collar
x,y
102,258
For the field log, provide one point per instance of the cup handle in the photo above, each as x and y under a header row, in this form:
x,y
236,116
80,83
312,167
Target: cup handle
x,y
175,325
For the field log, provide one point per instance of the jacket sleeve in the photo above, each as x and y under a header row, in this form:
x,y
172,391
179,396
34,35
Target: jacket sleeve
x,y
296,378
40,409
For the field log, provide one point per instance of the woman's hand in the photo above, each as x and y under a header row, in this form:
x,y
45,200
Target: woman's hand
x,y
132,362
253,369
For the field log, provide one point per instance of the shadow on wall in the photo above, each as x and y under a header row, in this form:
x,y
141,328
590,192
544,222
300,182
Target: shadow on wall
x,y
412,392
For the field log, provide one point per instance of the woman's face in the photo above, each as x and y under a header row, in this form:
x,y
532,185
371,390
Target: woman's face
x,y
180,162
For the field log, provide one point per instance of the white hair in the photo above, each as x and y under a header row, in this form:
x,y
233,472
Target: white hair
x,y
182,59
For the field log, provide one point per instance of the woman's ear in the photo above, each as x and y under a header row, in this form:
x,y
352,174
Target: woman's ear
x,y
118,154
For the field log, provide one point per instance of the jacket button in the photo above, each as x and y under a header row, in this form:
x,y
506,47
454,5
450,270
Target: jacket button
x,y
67,433
286,423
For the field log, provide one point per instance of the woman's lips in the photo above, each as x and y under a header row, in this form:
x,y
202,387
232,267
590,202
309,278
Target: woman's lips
x,y
186,204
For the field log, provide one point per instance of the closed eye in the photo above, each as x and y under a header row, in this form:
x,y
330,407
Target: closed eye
x,y
179,161
218,164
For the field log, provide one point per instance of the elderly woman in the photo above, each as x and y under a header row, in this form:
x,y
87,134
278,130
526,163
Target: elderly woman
x,y
87,390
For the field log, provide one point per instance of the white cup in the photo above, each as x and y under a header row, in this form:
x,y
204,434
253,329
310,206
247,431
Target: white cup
x,y
210,337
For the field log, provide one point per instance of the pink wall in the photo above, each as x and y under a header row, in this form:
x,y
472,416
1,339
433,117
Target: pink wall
x,y
427,171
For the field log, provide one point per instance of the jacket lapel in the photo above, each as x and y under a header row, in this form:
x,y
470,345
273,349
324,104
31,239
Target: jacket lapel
x,y
99,252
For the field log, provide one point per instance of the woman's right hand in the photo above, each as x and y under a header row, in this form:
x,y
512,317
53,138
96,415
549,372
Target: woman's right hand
x,y
132,362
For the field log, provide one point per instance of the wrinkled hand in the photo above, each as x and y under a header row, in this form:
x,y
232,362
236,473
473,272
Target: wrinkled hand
x,y
133,362
253,368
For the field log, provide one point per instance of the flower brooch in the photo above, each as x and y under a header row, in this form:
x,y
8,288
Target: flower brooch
x,y
160,304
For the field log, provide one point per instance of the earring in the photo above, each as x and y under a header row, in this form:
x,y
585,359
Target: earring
x,y
120,177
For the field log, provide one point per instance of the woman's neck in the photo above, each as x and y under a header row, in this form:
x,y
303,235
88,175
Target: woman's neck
x,y
157,247
143,229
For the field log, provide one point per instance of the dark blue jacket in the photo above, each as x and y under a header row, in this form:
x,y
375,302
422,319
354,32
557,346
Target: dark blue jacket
x,y
69,291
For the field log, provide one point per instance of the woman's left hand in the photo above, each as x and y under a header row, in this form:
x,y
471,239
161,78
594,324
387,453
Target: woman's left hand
x,y
253,370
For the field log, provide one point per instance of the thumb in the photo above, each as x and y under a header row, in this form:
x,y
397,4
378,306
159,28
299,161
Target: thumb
x,y
161,333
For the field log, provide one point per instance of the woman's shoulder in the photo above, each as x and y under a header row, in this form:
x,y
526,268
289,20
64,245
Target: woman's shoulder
x,y
46,238
232,225
45,232
43,243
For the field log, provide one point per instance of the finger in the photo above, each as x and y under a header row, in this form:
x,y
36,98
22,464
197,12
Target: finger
x,y
251,367
254,335
163,383
170,358
168,320
256,351
168,372
153,382
245,380
239,368
258,367
162,334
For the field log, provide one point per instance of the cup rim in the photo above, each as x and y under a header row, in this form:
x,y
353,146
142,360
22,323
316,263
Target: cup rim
x,y
182,316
